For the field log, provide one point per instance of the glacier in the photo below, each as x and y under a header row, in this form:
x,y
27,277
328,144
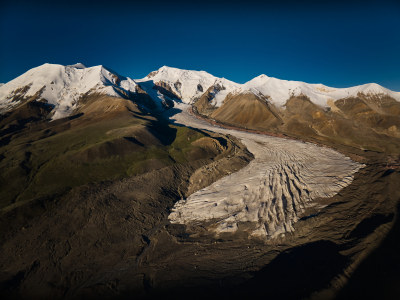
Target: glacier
x,y
272,192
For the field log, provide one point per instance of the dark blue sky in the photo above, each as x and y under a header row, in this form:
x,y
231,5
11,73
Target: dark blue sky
x,y
314,41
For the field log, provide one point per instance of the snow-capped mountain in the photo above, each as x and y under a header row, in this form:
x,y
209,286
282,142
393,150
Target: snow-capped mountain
x,y
188,85
279,91
62,86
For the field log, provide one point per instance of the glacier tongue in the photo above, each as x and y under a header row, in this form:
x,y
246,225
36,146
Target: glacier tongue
x,y
271,192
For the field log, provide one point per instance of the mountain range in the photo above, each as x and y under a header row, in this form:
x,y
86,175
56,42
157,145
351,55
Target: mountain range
x,y
62,86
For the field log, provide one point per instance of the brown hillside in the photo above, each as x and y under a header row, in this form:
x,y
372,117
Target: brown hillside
x,y
369,123
380,114
246,110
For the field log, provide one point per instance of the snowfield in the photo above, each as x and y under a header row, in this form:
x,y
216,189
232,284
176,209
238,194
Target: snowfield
x,y
272,191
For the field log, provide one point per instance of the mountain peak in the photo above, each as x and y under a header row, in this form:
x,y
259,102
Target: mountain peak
x,y
78,66
259,79
167,68
179,72
262,76
374,88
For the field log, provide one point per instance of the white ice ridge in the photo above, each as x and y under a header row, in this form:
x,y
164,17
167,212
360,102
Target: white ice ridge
x,y
272,191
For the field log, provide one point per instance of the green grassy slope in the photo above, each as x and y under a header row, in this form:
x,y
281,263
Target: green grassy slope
x,y
41,159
